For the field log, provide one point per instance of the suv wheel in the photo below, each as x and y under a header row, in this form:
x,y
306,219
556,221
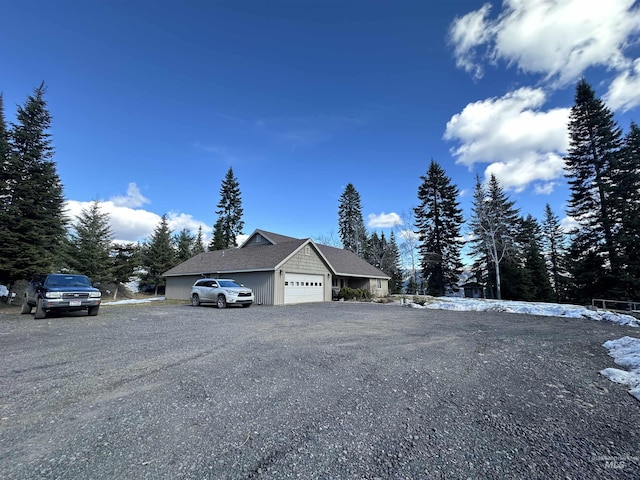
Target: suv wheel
x,y
93,311
40,312
26,308
222,301
195,300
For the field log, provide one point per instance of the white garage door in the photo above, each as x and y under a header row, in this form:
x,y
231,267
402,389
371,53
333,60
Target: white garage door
x,y
299,288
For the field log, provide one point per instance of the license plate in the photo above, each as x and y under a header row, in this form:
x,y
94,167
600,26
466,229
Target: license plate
x,y
75,303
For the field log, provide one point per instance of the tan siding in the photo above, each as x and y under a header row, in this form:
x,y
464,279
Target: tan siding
x,y
302,263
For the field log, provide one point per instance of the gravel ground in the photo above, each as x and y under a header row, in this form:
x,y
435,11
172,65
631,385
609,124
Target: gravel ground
x,y
334,390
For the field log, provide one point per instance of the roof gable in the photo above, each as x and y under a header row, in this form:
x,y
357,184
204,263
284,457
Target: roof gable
x,y
270,255
270,237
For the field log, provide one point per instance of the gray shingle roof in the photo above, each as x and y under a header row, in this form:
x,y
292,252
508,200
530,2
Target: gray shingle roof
x,y
252,258
345,262
269,257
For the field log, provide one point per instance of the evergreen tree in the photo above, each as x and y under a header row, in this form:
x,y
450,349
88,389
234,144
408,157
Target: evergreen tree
x,y
90,244
217,240
184,243
494,222
412,286
553,241
589,276
32,209
229,224
374,253
595,142
438,220
627,195
198,243
125,261
158,255
353,233
393,265
535,267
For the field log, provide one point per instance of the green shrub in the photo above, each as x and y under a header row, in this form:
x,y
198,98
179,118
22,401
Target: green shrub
x,y
354,294
419,300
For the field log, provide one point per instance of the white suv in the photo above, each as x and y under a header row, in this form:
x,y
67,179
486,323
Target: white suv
x,y
221,291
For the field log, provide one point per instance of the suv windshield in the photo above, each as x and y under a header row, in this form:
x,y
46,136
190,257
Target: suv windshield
x,y
67,281
228,283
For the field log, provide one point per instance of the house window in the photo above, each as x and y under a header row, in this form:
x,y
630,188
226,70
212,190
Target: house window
x,y
258,238
307,250
378,283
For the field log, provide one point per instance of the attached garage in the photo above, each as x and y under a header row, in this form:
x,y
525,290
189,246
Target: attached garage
x,y
279,269
303,288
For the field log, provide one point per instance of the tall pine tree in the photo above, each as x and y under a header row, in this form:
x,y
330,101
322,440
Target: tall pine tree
x,y
494,225
90,244
184,243
438,222
198,243
554,249
158,255
626,189
594,148
229,224
535,267
32,209
125,258
352,231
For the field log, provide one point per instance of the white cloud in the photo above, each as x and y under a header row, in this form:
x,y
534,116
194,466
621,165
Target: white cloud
x,y
521,143
408,235
623,91
127,224
558,39
134,224
133,199
569,224
383,220
544,188
466,34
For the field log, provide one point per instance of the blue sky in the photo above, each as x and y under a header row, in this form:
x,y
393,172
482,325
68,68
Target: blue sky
x,y
153,101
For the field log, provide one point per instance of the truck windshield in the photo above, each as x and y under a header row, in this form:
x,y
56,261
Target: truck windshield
x,y
67,281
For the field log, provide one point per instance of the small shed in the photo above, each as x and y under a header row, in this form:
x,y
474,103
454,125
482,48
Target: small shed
x,y
474,290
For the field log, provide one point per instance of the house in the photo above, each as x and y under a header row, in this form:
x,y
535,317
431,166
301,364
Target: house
x,y
280,270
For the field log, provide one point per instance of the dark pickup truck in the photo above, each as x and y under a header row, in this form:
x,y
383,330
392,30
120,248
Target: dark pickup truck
x,y
61,292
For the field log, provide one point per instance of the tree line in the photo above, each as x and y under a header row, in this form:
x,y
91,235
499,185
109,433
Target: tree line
x,y
519,257
514,256
37,236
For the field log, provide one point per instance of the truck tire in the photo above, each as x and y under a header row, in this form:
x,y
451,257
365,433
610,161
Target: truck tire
x,y
26,308
40,312
93,311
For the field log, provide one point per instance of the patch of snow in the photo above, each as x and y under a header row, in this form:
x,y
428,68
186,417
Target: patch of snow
x,y
133,301
531,308
4,291
626,353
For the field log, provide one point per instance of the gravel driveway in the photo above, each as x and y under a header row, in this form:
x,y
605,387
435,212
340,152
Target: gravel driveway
x,y
333,390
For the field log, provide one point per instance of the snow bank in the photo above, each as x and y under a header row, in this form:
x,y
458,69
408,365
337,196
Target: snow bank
x,y
133,301
531,308
626,353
